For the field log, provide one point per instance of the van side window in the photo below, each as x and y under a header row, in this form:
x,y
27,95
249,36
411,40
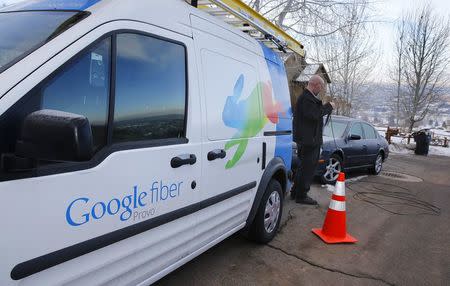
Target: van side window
x,y
150,94
81,86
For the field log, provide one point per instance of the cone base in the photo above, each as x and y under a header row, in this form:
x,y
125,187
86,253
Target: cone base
x,y
332,239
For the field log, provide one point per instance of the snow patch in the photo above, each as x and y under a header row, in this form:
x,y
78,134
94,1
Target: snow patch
x,y
439,151
400,148
330,188
440,132
381,130
408,149
355,179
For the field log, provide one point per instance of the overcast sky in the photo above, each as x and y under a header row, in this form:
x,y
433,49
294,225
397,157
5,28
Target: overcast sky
x,y
388,12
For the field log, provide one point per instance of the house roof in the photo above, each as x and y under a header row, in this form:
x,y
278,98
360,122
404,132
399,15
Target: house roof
x,y
313,69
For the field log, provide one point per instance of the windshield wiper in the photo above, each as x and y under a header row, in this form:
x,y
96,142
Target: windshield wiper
x,y
68,24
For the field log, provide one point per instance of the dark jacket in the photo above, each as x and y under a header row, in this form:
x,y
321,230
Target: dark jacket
x,y
308,119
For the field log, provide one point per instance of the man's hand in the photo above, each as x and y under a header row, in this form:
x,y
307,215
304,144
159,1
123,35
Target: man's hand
x,y
333,104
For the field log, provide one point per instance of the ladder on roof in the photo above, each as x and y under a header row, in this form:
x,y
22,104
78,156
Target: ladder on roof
x,y
244,18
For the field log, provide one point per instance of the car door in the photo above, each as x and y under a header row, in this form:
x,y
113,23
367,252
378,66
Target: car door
x,y
355,150
371,142
127,213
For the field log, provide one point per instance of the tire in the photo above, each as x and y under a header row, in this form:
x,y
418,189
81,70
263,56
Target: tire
x,y
266,223
377,165
331,173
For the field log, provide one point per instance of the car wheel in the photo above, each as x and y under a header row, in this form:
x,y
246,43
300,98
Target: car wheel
x,y
377,165
332,170
268,217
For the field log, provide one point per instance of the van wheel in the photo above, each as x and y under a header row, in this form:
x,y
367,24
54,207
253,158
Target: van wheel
x,y
267,219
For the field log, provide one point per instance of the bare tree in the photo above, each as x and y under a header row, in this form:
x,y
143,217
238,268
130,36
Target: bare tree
x,y
349,54
256,4
286,9
425,57
336,33
398,70
299,16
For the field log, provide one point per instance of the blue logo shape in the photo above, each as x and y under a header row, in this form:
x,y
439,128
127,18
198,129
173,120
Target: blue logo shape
x,y
235,111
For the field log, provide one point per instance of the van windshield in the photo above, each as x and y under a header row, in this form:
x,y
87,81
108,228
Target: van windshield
x,y
23,32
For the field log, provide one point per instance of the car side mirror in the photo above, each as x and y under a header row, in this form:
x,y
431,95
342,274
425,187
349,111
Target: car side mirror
x,y
53,135
354,137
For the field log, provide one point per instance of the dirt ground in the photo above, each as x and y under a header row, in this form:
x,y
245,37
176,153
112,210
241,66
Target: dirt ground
x,y
403,230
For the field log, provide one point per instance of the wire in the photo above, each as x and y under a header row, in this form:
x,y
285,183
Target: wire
x,y
396,197
332,132
330,121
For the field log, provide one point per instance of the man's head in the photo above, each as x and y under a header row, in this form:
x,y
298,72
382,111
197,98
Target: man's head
x,y
316,84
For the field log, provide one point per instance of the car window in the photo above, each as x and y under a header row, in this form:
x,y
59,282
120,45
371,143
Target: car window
x,y
357,130
369,132
334,128
150,96
81,87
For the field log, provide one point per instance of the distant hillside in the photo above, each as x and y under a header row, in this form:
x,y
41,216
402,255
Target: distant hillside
x,y
377,105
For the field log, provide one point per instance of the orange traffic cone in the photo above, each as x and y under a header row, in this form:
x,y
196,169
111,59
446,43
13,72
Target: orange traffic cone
x,y
334,227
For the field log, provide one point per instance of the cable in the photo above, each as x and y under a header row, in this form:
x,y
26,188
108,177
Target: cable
x,y
405,197
330,121
388,199
332,132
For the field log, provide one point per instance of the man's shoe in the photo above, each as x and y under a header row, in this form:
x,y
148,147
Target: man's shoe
x,y
292,195
306,201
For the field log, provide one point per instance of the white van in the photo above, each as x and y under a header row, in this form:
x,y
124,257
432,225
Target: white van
x,y
134,135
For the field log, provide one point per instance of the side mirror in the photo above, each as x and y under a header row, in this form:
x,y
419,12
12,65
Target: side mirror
x,y
354,137
53,135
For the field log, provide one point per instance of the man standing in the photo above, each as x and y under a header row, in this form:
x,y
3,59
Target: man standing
x,y
308,125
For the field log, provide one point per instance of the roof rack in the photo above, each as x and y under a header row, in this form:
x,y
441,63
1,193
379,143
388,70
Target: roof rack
x,y
244,18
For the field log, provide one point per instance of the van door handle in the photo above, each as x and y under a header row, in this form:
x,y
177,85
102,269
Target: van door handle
x,y
180,160
216,154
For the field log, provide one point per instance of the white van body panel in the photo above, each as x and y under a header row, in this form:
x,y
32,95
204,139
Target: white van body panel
x,y
237,96
216,87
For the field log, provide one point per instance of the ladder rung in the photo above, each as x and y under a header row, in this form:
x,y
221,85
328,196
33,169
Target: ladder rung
x,y
246,28
232,21
203,2
214,10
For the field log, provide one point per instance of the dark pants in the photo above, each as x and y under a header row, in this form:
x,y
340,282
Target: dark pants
x,y
309,157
